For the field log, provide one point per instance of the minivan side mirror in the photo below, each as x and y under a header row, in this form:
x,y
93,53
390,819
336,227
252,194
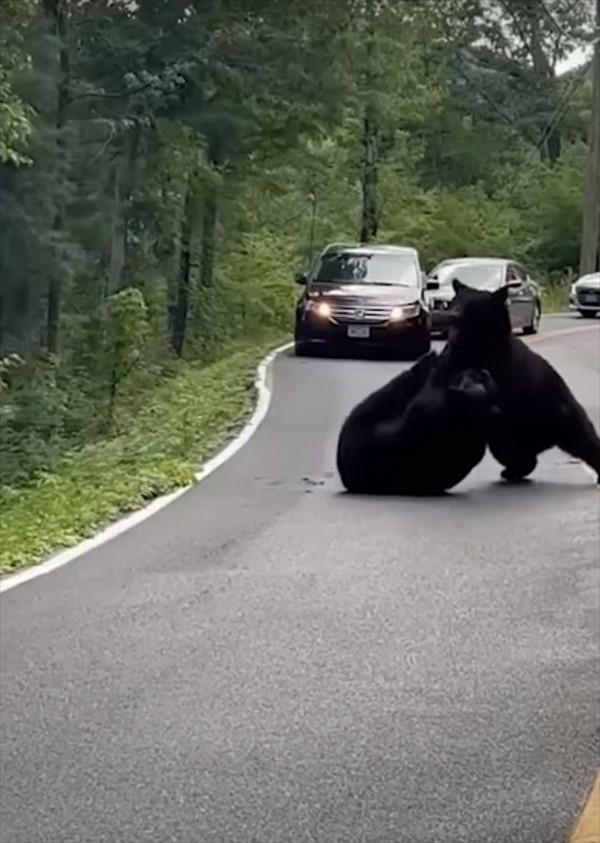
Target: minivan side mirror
x,y
432,285
301,277
514,283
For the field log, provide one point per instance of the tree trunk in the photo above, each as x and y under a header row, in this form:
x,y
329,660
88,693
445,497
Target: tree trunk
x,y
182,303
112,397
369,181
206,302
590,237
129,183
370,176
551,143
116,256
58,13
209,231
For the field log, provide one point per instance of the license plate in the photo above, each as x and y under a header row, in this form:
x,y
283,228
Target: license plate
x,y
359,332
589,298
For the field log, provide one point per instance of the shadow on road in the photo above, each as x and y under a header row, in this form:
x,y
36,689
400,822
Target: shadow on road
x,y
517,492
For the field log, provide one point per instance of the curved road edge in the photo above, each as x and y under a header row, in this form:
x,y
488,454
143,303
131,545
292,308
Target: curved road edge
x,y
264,391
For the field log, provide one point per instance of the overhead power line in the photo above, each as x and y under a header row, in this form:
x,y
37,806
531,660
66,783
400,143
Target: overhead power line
x,y
563,103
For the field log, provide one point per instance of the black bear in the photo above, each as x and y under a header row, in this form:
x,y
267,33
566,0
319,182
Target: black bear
x,y
420,434
536,410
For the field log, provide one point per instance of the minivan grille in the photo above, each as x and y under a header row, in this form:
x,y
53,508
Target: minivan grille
x,y
350,310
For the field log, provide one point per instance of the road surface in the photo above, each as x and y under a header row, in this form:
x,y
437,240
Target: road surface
x,y
268,660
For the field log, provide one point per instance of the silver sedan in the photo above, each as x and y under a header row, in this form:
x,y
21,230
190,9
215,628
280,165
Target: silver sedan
x,y
488,274
585,295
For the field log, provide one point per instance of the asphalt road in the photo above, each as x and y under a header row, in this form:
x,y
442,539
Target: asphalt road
x,y
269,660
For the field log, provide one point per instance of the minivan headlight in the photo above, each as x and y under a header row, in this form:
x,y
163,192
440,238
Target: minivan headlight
x,y
320,308
405,311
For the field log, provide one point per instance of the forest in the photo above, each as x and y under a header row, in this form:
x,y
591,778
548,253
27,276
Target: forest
x,y
167,165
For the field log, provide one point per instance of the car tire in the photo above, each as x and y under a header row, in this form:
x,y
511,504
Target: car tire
x,y
534,326
420,347
304,349
589,314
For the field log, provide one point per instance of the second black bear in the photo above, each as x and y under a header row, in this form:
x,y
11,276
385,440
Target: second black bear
x,y
536,410
420,434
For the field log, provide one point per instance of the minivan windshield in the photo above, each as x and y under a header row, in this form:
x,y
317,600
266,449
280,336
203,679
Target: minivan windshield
x,y
367,268
481,276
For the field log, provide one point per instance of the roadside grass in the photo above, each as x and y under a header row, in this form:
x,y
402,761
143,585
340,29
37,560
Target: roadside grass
x,y
182,422
555,298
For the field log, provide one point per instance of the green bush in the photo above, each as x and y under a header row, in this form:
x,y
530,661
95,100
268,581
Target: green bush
x,y
33,416
178,426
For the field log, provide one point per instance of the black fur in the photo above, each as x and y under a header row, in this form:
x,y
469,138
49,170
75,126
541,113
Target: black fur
x,y
536,408
420,434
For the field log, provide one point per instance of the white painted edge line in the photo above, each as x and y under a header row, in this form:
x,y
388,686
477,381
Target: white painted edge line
x,y
264,394
563,332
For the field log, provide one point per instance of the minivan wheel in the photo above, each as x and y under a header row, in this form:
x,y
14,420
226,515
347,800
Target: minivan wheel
x,y
420,347
302,349
534,326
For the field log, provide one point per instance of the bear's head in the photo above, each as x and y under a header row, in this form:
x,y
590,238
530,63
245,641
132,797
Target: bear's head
x,y
480,322
473,390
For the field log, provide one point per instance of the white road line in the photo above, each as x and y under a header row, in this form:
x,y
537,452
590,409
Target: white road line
x,y
562,332
263,400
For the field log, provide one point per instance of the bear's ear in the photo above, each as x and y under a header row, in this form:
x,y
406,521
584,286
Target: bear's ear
x,y
500,296
458,286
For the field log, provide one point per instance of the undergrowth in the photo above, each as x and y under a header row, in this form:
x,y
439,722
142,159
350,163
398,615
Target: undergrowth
x,y
182,423
555,297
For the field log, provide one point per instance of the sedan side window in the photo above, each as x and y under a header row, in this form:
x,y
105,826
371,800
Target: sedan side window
x,y
514,273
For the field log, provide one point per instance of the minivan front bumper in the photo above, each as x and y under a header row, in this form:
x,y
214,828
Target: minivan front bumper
x,y
401,335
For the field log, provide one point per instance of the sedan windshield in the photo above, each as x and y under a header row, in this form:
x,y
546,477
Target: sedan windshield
x,y
482,276
364,268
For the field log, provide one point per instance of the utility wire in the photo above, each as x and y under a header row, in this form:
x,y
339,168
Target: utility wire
x,y
564,101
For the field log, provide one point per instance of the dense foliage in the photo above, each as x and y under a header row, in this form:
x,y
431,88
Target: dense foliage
x,y
167,164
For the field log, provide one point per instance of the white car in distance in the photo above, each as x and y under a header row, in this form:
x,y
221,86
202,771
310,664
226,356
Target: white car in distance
x,y
585,295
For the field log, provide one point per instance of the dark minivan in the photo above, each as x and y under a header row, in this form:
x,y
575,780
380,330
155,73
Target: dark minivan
x,y
363,297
